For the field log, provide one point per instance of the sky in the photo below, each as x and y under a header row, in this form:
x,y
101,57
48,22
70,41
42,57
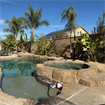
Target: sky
x,y
88,12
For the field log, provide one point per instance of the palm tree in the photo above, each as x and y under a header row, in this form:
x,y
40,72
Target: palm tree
x,y
70,16
21,39
33,20
15,25
9,42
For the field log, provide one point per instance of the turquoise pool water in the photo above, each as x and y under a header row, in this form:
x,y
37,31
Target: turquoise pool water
x,y
18,81
66,66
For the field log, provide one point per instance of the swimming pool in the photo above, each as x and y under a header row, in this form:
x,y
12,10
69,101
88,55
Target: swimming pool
x,y
17,79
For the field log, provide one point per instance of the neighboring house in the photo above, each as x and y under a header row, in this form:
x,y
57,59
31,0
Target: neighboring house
x,y
93,33
78,30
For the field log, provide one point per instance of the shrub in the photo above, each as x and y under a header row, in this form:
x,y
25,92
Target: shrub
x,y
43,47
88,47
58,52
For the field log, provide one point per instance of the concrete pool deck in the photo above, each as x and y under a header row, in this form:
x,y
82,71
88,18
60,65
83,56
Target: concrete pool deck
x,y
72,93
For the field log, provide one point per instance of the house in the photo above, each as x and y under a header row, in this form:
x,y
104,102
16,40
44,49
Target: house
x,y
78,30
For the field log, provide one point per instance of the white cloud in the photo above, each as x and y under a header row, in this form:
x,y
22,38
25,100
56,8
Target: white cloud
x,y
56,26
1,22
7,1
4,33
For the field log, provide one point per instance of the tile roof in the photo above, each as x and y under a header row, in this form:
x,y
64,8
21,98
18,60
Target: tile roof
x,y
93,33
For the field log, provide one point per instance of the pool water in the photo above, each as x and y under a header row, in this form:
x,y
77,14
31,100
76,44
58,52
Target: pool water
x,y
17,80
66,66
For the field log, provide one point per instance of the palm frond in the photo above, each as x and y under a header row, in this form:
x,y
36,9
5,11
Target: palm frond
x,y
63,12
44,22
13,19
71,7
26,14
64,18
13,26
7,30
40,13
23,27
69,16
31,11
7,21
26,21
33,18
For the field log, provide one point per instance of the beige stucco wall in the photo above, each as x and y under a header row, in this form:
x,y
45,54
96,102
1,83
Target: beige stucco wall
x,y
80,29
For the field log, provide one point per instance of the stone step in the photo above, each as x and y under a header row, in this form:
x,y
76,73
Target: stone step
x,y
94,81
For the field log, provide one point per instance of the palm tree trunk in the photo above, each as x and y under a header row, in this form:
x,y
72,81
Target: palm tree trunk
x,y
94,58
74,46
22,47
70,45
16,42
32,31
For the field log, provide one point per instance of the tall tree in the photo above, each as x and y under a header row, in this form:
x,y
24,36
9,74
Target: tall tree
x,y
100,25
0,40
15,25
33,19
23,41
70,16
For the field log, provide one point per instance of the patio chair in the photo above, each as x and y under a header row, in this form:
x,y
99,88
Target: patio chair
x,y
1,52
6,52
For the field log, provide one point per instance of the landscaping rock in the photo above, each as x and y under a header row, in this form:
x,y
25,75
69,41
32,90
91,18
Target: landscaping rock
x,y
96,80
81,73
65,75
100,79
87,81
44,71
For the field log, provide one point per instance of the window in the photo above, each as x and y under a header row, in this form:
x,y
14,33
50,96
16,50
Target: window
x,y
78,33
